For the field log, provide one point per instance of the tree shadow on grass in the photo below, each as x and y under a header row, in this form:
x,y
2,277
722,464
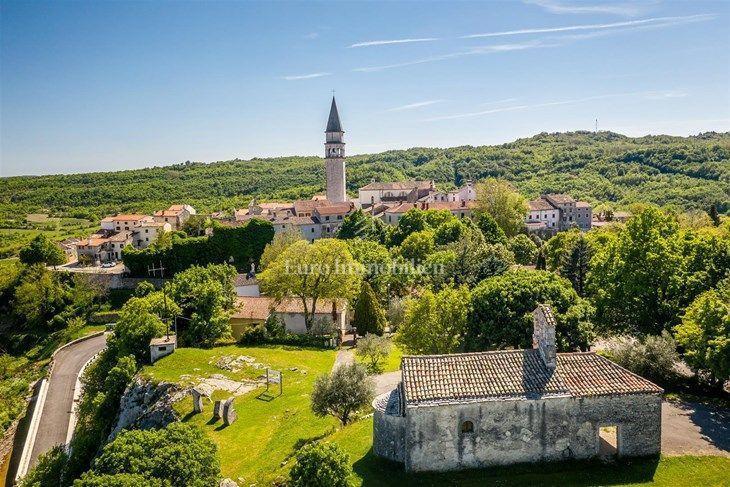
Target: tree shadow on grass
x,y
375,471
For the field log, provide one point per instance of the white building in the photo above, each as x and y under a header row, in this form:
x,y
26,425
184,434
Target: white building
x,y
399,191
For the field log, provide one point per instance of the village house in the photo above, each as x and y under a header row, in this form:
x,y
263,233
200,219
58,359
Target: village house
x,y
175,215
466,193
475,410
253,310
400,191
392,214
552,213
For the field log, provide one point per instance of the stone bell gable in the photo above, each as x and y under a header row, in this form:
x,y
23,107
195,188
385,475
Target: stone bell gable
x,y
473,410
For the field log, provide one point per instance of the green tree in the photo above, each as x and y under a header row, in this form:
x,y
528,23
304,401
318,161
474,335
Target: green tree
x,y
503,203
324,269
42,250
205,296
435,323
501,313
489,228
138,323
575,265
414,220
417,246
705,333
450,231
651,356
633,279
321,464
523,248
279,244
178,455
376,261
475,260
558,246
714,215
118,480
369,316
48,471
372,349
355,225
342,393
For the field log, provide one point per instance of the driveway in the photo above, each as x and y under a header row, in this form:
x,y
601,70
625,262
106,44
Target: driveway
x,y
54,421
694,428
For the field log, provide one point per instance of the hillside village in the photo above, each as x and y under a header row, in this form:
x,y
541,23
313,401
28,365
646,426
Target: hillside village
x,y
404,331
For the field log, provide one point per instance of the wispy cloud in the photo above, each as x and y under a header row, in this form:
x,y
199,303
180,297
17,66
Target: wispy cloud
x,y
645,94
471,52
626,9
498,102
664,95
392,41
305,76
311,36
658,21
412,106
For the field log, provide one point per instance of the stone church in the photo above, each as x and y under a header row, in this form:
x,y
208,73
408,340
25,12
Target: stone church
x,y
473,410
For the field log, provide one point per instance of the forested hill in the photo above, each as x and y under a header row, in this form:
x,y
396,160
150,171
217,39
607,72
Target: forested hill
x,y
687,172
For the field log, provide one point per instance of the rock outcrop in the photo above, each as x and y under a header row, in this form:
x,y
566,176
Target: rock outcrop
x,y
147,405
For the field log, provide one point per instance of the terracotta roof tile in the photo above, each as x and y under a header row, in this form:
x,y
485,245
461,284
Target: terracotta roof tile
x,y
398,185
513,374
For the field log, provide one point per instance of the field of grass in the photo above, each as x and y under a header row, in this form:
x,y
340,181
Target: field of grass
x,y
258,447
14,235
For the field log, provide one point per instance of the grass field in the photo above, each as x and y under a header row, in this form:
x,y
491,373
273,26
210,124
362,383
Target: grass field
x,y
15,236
258,447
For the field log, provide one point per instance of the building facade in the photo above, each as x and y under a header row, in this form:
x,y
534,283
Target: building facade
x,y
553,213
483,409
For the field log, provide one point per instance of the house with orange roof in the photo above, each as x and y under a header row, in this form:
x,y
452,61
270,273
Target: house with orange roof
x,y
175,215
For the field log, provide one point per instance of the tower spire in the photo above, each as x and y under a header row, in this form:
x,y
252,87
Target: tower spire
x,y
333,122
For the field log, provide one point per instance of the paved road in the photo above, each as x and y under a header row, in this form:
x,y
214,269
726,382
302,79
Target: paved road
x,y
53,426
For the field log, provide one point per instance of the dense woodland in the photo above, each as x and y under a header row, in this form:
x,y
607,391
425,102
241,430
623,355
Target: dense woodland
x,y
685,172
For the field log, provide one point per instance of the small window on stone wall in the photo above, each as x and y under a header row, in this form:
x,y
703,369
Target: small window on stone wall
x,y
467,427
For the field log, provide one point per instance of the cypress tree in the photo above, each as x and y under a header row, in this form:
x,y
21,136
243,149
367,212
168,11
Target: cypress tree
x,y
574,265
369,316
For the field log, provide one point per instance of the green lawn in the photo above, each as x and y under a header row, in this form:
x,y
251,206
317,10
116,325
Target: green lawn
x,y
269,429
391,363
257,449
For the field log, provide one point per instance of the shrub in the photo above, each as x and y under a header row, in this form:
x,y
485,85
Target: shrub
x,y
524,248
373,348
321,465
48,471
343,392
652,357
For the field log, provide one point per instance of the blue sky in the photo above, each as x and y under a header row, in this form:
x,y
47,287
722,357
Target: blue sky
x,y
113,85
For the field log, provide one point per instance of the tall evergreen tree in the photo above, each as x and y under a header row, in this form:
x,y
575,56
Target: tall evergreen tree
x,y
369,316
574,265
714,216
540,262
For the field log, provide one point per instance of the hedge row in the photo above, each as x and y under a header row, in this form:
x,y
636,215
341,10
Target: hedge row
x,y
238,246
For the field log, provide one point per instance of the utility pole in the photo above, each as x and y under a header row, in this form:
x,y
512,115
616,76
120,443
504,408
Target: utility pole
x,y
153,270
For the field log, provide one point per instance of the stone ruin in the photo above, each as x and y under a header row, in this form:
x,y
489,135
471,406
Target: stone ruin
x,y
229,412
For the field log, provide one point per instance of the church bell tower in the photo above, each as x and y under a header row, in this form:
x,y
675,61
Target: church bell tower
x,y
334,157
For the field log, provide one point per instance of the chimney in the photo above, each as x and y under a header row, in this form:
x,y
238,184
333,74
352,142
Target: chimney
x,y
543,335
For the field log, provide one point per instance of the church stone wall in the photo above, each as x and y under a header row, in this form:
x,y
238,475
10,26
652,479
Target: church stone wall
x,y
520,431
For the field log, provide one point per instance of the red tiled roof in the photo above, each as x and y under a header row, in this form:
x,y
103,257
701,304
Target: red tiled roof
x,y
398,185
514,374
582,204
129,217
334,209
260,307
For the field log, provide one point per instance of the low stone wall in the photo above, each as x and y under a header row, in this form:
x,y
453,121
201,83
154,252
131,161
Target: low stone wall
x,y
388,429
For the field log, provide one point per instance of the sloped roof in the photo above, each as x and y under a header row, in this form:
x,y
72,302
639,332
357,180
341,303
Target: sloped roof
x,y
559,198
398,185
513,374
129,217
541,204
333,122
334,209
260,307
582,204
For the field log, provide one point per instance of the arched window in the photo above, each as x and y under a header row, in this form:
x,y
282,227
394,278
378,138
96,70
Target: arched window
x,y
467,427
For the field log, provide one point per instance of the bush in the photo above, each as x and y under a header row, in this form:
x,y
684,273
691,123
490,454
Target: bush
x,y
373,348
180,455
369,316
48,471
342,393
321,465
652,357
